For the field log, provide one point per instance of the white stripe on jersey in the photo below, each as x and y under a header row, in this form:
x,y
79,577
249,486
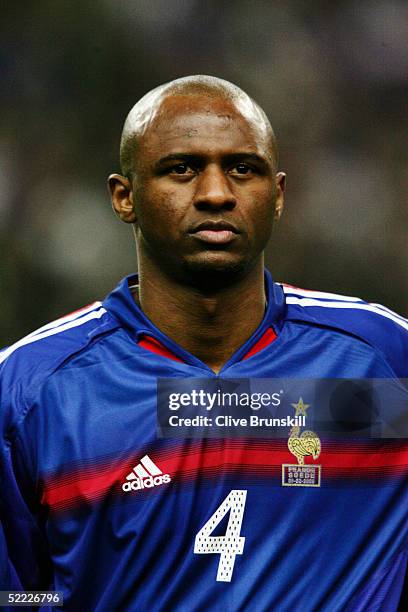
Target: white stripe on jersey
x,y
357,306
390,311
319,294
66,318
95,314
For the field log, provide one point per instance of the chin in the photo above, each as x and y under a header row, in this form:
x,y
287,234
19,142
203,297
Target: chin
x,y
211,274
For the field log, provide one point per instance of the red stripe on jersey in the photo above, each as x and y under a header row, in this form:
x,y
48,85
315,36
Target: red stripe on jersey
x,y
154,346
81,309
293,287
210,459
268,337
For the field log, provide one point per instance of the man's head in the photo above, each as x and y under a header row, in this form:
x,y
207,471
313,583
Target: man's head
x,y
199,160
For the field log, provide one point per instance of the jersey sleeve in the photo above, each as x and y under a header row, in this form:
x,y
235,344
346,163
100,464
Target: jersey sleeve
x,y
24,366
23,543
384,330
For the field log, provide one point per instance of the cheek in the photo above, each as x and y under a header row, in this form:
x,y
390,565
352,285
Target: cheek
x,y
262,211
157,214
259,220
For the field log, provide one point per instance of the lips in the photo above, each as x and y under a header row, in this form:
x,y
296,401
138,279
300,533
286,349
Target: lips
x,y
215,226
215,232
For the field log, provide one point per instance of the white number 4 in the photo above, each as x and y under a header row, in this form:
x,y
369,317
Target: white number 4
x,y
228,545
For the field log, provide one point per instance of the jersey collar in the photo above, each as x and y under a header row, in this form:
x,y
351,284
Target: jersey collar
x,y
122,305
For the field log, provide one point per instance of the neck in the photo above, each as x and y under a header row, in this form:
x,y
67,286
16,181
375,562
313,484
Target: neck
x,y
211,326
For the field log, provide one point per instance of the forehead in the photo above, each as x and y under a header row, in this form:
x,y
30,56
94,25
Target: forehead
x,y
204,123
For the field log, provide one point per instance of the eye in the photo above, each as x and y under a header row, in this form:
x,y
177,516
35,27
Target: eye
x,y
181,168
242,168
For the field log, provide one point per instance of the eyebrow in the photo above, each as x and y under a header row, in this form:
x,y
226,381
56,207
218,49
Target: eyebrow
x,y
227,158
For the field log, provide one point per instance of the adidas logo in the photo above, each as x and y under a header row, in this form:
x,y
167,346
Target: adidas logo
x,y
145,475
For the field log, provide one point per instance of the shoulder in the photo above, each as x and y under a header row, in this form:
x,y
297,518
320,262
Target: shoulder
x,y
27,362
374,324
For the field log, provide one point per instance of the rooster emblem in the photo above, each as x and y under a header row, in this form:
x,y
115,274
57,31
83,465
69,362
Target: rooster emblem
x,y
308,442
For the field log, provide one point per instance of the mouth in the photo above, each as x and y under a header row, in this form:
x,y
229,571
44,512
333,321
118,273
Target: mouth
x,y
215,232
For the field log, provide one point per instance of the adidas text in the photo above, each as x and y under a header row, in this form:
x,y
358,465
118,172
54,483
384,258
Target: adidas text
x,y
146,483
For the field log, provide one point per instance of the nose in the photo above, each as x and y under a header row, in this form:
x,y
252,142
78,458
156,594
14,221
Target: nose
x,y
213,190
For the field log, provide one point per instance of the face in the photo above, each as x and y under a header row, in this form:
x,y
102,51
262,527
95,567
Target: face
x,y
204,194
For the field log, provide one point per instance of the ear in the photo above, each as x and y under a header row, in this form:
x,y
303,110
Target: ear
x,y
280,181
120,189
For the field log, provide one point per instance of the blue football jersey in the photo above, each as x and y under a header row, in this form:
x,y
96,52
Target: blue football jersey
x,y
94,503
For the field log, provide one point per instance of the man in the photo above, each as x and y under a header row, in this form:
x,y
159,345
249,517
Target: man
x,y
97,502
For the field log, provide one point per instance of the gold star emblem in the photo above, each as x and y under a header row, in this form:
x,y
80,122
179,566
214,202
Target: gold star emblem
x,y
300,407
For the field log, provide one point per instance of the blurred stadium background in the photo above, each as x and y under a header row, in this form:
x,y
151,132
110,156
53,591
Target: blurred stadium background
x,y
332,77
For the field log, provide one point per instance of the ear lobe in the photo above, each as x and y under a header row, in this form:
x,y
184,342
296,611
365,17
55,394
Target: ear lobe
x,y
280,189
120,189
278,213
